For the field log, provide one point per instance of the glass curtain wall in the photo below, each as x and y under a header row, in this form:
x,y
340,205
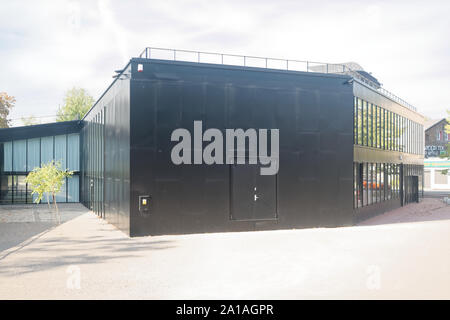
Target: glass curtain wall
x,y
378,128
379,182
19,157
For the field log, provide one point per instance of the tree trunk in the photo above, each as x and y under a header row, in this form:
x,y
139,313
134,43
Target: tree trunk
x,y
49,207
56,208
48,202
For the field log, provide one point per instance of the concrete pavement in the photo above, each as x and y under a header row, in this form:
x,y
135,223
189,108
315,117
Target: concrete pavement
x,y
86,258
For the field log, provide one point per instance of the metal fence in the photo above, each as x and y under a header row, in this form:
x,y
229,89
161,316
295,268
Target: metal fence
x,y
267,63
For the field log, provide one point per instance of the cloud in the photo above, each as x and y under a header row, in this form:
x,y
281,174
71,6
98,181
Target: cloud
x,y
46,47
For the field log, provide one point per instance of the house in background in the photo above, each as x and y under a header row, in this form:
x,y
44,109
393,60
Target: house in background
x,y
436,156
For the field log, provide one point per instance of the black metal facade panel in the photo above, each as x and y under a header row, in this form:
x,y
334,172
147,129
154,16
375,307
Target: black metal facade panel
x,y
105,163
40,130
314,115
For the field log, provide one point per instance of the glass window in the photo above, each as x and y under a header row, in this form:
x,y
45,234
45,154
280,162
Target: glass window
x,y
33,153
394,147
374,183
415,138
355,185
400,137
382,181
394,181
391,135
365,117
61,195
61,150
378,126
378,182
382,128
397,180
369,184
405,135
370,123
374,126
365,177
73,152
388,130
46,150
20,155
360,122
388,181
7,156
355,120
396,132
392,132
19,189
73,189
6,189
408,136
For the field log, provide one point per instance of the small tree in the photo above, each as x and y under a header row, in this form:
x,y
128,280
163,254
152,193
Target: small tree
x,y
48,179
76,103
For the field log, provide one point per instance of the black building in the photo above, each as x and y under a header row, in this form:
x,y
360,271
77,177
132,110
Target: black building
x,y
348,149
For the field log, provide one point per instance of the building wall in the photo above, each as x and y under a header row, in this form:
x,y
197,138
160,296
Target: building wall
x,y
105,163
313,113
388,153
436,140
435,174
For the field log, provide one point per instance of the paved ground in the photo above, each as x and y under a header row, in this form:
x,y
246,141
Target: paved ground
x,y
21,222
88,258
436,193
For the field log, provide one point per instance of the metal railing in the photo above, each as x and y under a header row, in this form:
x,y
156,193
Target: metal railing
x,y
266,63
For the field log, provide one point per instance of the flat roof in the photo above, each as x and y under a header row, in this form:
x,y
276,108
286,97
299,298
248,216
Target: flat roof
x,y
40,130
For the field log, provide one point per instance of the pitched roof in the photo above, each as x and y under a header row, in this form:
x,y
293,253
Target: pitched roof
x,y
432,122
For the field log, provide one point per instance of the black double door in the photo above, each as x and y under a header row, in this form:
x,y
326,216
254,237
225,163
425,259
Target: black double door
x,y
253,196
411,189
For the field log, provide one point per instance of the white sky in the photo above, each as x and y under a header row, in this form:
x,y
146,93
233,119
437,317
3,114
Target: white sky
x,y
46,47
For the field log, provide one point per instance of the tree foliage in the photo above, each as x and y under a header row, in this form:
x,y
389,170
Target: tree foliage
x,y
6,104
47,179
76,103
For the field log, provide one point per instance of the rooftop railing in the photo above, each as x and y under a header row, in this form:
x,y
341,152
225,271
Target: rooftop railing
x,y
266,63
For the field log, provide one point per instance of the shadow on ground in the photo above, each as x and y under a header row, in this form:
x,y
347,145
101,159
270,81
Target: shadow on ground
x,y
63,251
19,223
14,233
